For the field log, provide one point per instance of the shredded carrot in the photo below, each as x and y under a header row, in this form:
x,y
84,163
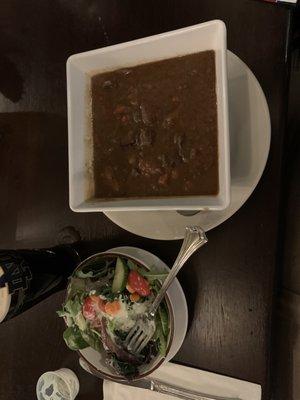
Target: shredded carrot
x,y
112,308
134,297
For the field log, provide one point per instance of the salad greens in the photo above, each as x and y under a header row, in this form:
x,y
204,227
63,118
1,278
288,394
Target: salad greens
x,y
73,338
104,300
123,368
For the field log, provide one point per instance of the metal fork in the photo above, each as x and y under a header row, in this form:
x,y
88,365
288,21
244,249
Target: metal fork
x,y
142,332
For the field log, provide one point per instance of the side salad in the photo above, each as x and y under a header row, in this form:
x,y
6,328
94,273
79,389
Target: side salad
x,y
104,299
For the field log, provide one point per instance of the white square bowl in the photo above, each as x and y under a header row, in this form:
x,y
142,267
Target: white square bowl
x,y
81,67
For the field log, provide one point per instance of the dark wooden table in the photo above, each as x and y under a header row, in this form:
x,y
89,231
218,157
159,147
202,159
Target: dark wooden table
x,y
230,283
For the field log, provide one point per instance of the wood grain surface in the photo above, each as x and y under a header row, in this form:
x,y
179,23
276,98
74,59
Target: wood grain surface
x,y
229,284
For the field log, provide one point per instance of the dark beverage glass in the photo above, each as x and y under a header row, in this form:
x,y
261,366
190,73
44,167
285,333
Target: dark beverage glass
x,y
29,276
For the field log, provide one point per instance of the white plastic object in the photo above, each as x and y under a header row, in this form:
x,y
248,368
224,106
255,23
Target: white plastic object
x,y
62,384
5,299
81,67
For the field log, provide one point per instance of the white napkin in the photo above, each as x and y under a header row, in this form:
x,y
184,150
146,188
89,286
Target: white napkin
x,y
190,378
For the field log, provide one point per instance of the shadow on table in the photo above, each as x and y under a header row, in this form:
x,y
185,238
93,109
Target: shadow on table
x,y
34,174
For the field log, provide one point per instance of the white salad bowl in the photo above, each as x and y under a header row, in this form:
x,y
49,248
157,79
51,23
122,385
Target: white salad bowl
x,y
177,310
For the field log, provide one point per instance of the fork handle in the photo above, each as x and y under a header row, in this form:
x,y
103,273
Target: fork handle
x,y
194,238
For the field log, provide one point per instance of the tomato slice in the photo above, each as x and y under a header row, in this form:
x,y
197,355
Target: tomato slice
x,y
92,306
88,310
139,284
99,304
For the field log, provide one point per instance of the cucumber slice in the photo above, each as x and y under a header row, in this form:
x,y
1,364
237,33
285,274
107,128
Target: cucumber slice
x,y
164,319
120,277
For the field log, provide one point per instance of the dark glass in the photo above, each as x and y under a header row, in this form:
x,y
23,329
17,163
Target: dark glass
x,y
33,275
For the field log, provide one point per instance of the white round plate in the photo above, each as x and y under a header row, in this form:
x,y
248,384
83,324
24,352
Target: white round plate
x,y
175,292
250,135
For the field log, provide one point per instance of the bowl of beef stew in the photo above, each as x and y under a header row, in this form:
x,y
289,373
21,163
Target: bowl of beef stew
x,y
148,123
